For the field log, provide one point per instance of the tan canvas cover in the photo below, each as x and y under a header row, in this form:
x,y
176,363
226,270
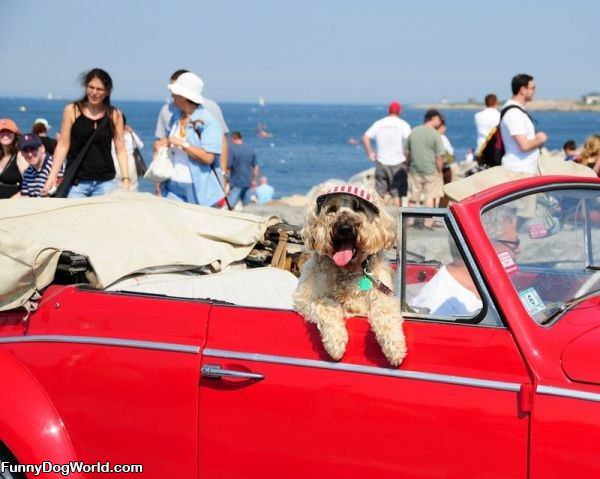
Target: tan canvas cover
x,y
120,233
547,165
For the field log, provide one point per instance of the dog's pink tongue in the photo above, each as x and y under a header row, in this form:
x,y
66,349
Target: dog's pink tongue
x,y
343,256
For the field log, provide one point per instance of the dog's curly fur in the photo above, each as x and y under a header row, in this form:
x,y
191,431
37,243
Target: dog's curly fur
x,y
328,293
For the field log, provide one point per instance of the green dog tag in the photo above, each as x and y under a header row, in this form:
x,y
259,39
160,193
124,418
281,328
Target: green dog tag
x,y
364,283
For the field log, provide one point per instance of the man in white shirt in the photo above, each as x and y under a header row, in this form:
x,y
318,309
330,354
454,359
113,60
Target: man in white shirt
x,y
487,119
521,142
391,135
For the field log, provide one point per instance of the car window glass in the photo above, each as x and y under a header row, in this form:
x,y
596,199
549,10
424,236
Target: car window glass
x,y
549,245
437,281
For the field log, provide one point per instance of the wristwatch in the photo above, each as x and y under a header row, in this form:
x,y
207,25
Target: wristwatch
x,y
185,145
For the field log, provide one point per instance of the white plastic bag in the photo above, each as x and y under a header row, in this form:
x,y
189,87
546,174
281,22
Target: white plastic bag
x,y
161,167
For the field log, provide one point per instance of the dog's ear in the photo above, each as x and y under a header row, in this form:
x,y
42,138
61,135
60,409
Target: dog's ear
x,y
307,237
312,235
382,234
387,224
310,229
388,229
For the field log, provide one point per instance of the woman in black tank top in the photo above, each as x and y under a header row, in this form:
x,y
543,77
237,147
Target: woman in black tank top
x,y
93,115
11,165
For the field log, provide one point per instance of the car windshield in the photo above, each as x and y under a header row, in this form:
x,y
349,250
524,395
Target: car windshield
x,y
549,245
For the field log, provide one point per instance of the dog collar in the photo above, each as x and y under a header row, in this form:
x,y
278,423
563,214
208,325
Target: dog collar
x,y
367,280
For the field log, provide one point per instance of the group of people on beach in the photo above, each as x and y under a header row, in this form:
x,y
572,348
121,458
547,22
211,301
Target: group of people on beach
x,y
95,151
414,163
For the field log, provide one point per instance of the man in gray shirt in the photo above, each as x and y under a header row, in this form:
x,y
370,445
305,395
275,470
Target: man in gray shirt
x,y
166,112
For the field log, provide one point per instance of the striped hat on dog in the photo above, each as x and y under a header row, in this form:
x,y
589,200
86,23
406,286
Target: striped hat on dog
x,y
353,190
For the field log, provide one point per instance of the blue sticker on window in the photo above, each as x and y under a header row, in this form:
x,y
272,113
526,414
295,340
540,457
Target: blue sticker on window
x,y
532,301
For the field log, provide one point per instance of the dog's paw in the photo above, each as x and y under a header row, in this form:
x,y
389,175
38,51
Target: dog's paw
x,y
335,340
394,347
395,354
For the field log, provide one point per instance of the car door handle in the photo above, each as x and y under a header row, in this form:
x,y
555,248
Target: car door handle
x,y
215,371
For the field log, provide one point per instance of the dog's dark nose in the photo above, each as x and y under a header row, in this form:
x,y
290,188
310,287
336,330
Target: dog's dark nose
x,y
345,230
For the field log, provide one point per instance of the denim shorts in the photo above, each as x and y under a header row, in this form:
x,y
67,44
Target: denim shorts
x,y
87,188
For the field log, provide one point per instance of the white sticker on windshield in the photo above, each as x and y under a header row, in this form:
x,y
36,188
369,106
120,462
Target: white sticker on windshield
x,y
508,263
532,301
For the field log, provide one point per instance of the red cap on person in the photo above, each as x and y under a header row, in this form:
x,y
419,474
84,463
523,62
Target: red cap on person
x,y
395,108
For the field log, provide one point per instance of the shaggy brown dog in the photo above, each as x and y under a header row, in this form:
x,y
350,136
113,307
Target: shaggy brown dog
x,y
347,229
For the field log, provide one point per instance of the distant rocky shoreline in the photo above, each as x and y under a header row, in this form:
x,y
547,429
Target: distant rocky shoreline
x,y
540,105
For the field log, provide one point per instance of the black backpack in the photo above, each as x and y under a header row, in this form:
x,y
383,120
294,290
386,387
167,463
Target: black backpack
x,y
492,149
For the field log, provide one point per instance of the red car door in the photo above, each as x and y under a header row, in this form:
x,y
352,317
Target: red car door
x,y
451,409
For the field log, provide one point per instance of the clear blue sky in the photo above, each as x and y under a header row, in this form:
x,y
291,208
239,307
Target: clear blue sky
x,y
303,51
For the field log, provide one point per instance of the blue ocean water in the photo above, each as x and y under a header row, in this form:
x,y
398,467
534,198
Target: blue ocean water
x,y
309,142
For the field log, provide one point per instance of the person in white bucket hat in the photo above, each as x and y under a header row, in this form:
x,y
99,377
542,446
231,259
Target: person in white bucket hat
x,y
188,85
169,108
194,136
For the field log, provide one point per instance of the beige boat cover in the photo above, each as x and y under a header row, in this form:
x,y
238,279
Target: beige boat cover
x,y
121,234
463,188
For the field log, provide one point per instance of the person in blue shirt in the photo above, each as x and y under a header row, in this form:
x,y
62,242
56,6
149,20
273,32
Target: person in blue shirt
x,y
243,170
195,137
264,191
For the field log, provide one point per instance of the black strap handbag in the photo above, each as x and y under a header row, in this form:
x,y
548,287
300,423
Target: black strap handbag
x,y
140,163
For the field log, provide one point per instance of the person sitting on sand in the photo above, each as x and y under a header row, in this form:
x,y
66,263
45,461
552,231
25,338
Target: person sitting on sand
x,y
570,150
264,191
40,162
12,165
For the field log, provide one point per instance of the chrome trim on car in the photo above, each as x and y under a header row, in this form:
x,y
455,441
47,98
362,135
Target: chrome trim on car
x,y
568,393
128,343
357,368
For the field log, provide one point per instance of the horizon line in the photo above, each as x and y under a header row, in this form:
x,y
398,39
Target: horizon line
x,y
417,105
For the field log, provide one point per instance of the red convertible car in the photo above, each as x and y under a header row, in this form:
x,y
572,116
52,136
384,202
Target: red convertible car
x,y
200,375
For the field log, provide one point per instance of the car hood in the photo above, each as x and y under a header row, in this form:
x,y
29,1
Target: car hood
x,y
580,358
